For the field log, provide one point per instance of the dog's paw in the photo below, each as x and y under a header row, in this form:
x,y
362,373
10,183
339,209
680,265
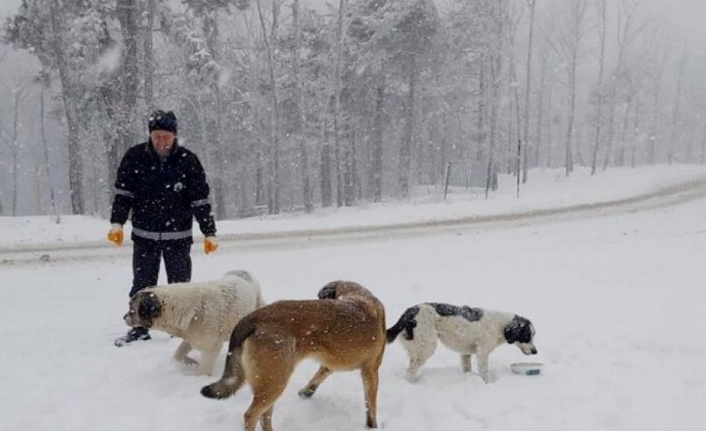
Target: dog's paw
x,y
211,392
412,377
189,362
306,392
488,378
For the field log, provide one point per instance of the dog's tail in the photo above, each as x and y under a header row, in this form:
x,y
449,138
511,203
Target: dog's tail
x,y
406,323
233,374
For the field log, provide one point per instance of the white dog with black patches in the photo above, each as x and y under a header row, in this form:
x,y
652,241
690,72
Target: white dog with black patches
x,y
202,314
465,330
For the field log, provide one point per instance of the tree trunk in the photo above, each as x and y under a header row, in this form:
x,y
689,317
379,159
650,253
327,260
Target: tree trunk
x,y
611,120
482,108
349,177
702,159
620,156
214,121
491,173
654,128
635,131
528,82
599,102
260,193
127,13
540,107
677,105
70,109
270,44
568,157
337,102
15,148
405,166
518,155
301,117
149,55
45,149
325,162
325,169
377,139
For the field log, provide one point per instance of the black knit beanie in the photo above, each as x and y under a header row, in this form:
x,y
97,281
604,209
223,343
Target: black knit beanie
x,y
160,120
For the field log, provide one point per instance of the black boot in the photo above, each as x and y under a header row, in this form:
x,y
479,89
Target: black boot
x,y
134,334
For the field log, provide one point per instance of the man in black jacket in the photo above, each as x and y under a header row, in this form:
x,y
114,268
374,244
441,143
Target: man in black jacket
x,y
164,185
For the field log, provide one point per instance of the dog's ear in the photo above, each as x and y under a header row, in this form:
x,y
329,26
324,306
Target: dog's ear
x,y
149,307
328,291
518,331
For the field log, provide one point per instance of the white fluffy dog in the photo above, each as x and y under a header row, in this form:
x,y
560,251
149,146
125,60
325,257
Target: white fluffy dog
x,y
202,314
465,330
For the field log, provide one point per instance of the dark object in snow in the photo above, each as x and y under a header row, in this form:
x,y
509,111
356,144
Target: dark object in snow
x,y
134,334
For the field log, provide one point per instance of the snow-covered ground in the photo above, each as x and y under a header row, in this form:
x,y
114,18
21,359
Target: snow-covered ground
x,y
545,189
617,302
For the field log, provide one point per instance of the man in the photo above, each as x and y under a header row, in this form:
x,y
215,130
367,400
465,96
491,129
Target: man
x,y
165,186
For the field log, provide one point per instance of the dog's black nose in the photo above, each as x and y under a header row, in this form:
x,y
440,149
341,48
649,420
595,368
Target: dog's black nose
x,y
534,351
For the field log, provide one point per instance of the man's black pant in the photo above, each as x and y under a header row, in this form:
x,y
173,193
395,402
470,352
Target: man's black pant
x,y
146,256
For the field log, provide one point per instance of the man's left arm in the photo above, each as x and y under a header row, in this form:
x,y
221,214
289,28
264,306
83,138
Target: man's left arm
x,y
200,200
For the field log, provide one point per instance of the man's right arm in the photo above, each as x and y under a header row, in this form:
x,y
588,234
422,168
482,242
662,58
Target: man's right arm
x,y
124,190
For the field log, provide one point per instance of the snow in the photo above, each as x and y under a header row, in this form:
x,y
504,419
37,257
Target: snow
x,y
545,189
616,298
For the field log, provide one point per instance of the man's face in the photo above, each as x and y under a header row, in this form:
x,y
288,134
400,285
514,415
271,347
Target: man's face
x,y
163,141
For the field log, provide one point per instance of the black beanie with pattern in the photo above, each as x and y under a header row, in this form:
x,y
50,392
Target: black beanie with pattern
x,y
160,120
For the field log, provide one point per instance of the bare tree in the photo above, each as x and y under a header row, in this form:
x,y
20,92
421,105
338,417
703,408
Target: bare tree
x,y
301,117
215,111
148,55
494,54
11,138
635,131
702,155
630,26
270,40
602,30
44,82
657,70
570,33
531,4
544,76
70,109
340,37
677,106
377,137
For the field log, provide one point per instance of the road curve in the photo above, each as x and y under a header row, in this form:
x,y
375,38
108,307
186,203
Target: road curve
x,y
664,197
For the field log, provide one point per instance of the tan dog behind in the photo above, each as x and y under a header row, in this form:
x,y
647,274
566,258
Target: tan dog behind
x,y
203,314
343,330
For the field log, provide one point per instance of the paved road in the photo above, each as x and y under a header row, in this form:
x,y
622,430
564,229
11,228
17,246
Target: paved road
x,y
668,196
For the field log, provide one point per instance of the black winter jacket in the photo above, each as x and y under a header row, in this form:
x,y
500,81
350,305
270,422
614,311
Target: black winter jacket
x,y
164,194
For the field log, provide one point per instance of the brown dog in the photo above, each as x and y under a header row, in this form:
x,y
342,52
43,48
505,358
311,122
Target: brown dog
x,y
343,330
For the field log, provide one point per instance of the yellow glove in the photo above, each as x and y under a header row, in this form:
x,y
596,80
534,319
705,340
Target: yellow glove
x,y
115,234
210,244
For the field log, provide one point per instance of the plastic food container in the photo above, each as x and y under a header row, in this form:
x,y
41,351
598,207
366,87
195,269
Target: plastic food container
x,y
526,368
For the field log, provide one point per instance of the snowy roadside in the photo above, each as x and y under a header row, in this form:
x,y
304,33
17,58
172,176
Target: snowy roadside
x,y
549,192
